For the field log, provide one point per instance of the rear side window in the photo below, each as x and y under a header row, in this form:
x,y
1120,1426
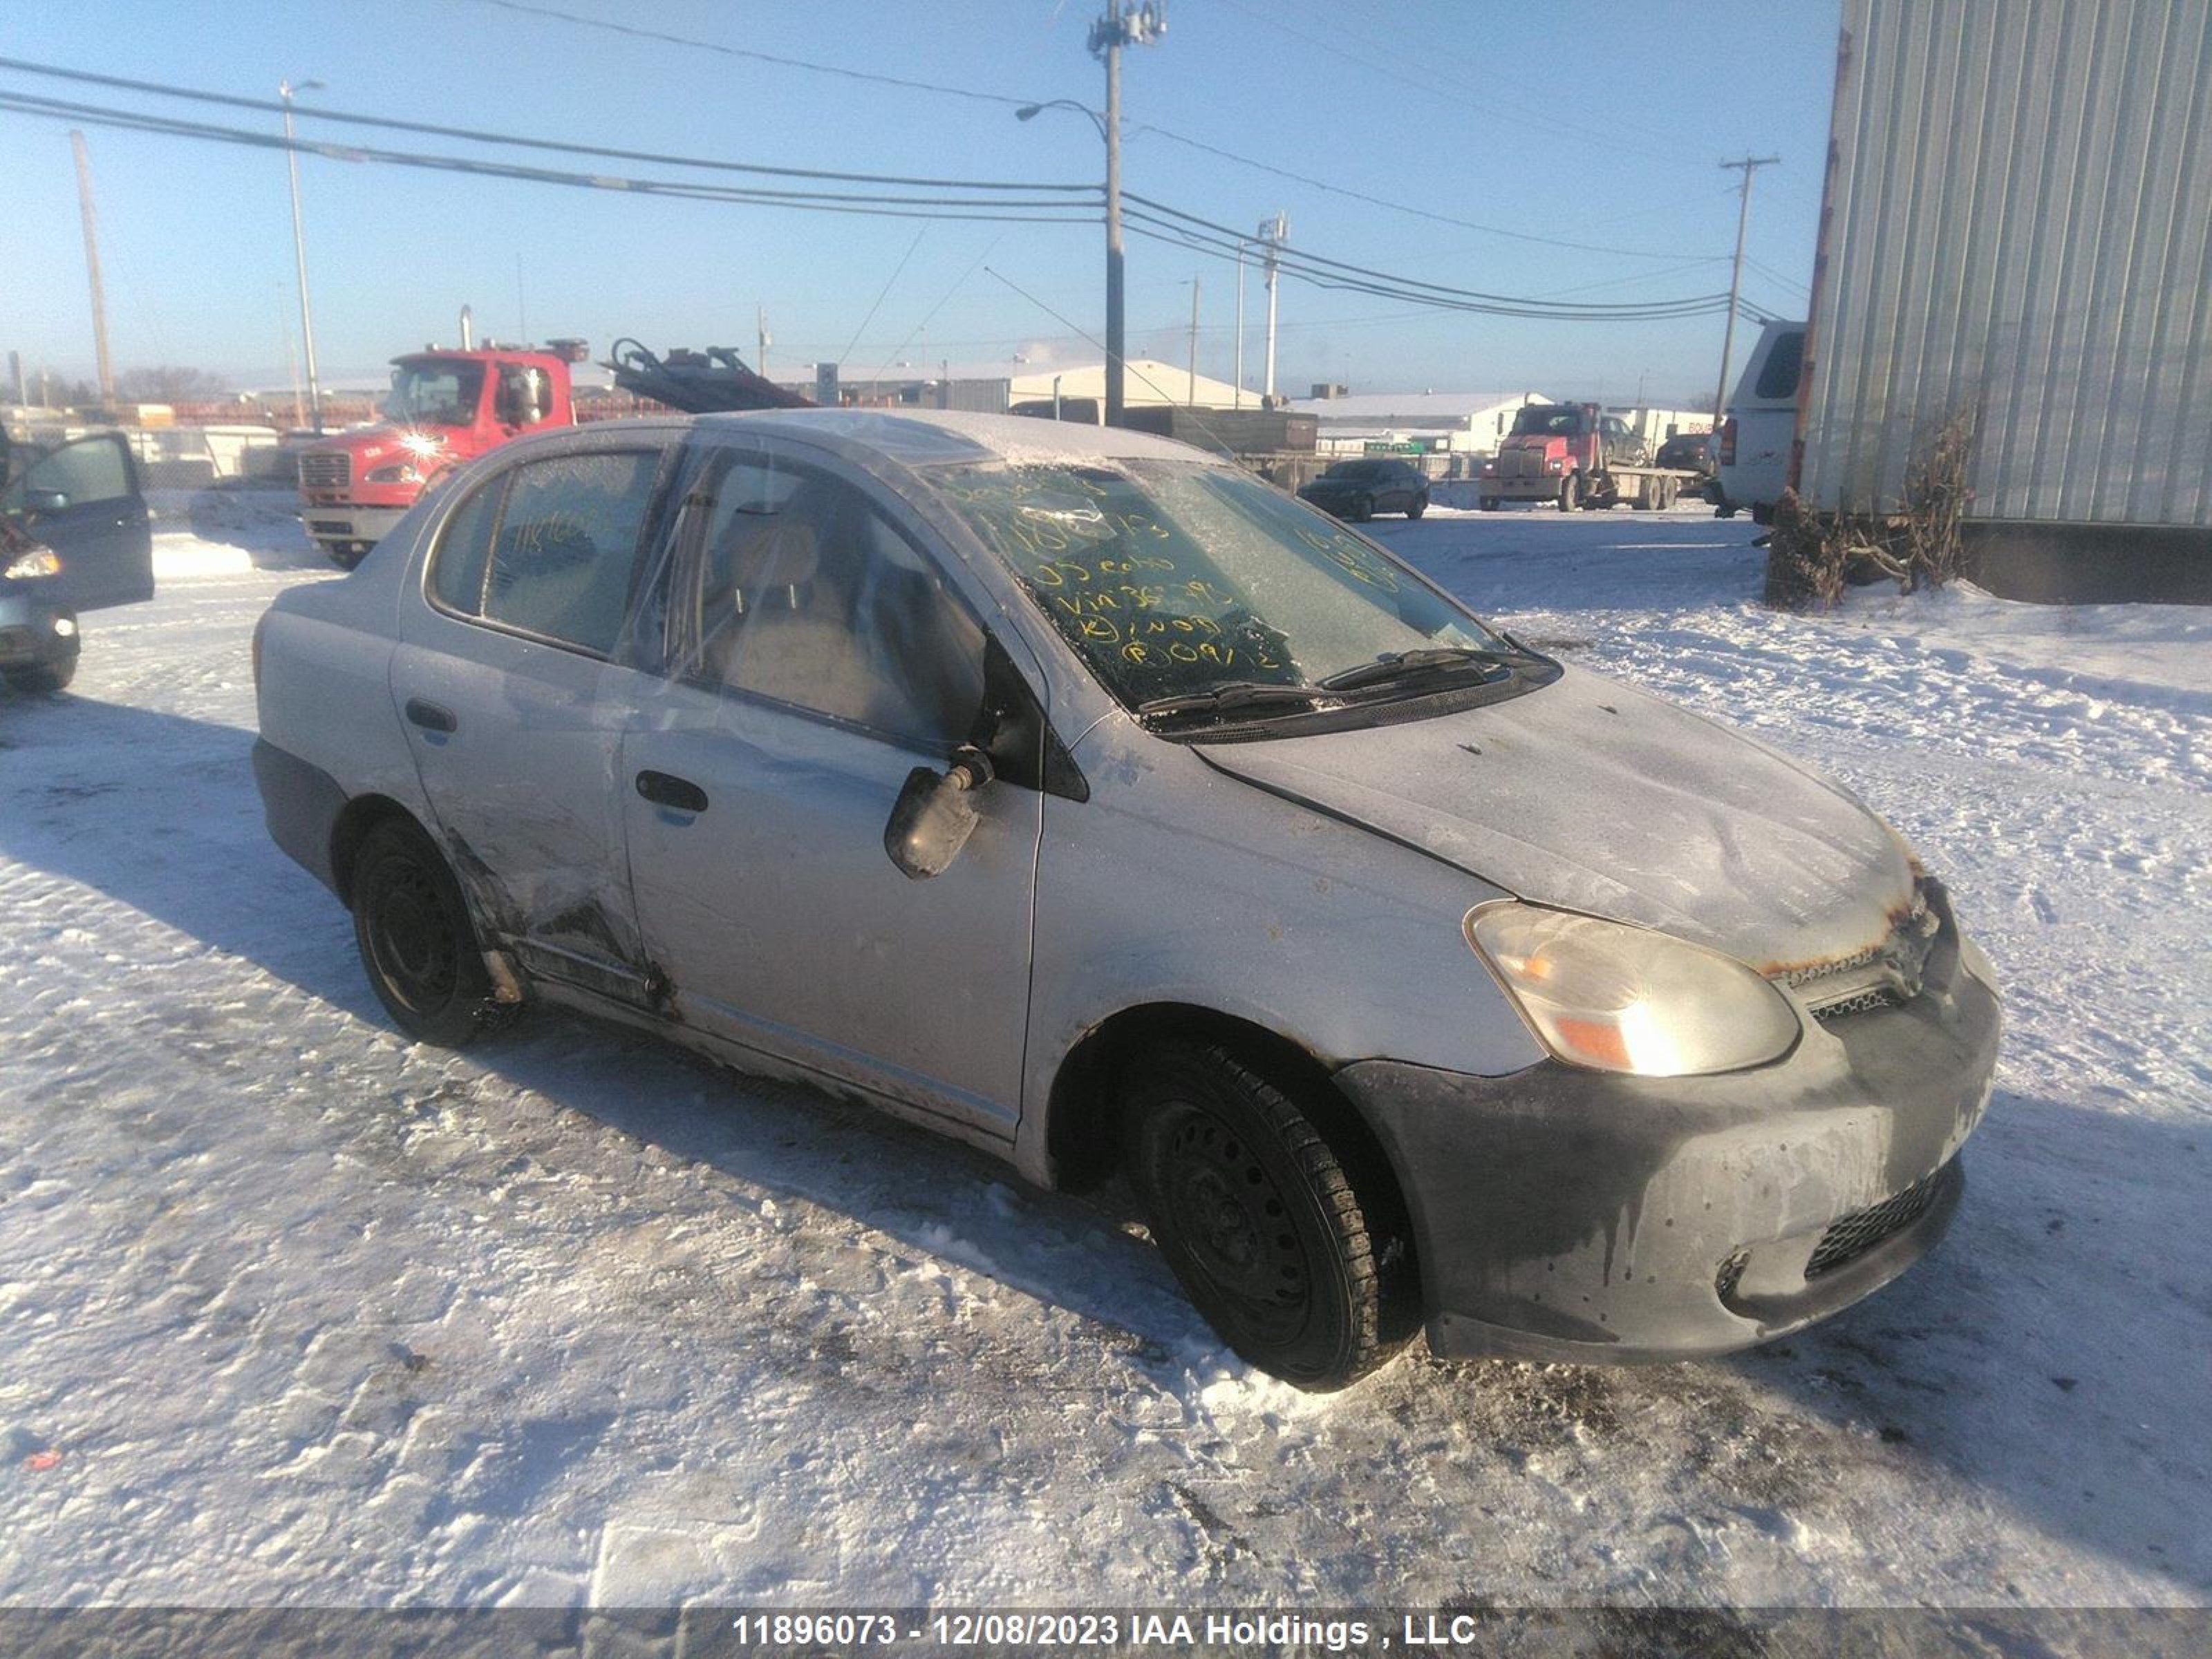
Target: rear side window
x,y
1777,376
550,548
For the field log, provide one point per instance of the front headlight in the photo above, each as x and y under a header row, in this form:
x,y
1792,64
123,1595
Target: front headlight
x,y
392,475
38,561
1622,999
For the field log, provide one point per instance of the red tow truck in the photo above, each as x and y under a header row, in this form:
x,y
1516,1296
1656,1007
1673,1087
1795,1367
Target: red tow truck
x,y
446,406
449,406
1576,455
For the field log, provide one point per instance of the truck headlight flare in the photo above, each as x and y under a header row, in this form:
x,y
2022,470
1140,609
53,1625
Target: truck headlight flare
x,y
1621,998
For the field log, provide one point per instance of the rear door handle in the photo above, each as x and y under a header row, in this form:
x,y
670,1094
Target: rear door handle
x,y
430,716
663,789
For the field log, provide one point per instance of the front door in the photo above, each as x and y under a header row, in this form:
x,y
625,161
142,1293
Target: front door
x,y
515,695
82,501
818,655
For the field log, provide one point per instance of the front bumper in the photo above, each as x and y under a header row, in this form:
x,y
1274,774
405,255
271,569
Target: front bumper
x,y
1525,486
1566,1214
35,632
350,524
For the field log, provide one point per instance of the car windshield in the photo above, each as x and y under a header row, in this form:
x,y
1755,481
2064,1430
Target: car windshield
x,y
1173,580
435,394
1547,421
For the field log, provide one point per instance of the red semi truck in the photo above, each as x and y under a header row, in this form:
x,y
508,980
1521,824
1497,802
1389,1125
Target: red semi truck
x,y
1576,455
444,407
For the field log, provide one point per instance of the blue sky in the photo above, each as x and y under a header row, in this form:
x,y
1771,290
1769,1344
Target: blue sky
x,y
1585,123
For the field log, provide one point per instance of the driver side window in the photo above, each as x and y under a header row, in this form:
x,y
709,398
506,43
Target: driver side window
x,y
801,592
90,470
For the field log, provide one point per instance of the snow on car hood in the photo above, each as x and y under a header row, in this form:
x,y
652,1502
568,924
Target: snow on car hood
x,y
1593,796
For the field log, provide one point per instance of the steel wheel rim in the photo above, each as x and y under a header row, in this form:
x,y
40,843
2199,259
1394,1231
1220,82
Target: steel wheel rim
x,y
1235,1224
412,937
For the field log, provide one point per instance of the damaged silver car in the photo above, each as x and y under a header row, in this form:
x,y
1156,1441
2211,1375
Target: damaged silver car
x,y
1083,798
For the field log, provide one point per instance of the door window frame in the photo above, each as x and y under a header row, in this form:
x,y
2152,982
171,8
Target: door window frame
x,y
502,480
681,569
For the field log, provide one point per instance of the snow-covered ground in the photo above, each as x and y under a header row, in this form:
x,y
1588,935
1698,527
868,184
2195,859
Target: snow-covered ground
x,y
293,1311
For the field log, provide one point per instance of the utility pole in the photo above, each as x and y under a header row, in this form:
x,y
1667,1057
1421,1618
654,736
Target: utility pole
x,y
1238,401
92,269
1124,25
760,335
1749,164
1191,401
284,90
1272,233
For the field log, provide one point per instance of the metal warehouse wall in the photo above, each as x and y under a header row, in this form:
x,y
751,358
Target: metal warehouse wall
x,y
2018,214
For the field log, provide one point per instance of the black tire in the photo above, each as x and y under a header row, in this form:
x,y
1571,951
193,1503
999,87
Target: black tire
x,y
347,554
1571,492
1256,1216
417,944
1363,509
1420,505
44,681
1487,503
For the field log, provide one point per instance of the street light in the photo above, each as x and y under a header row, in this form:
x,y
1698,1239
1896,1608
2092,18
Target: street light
x,y
1127,23
1109,133
284,90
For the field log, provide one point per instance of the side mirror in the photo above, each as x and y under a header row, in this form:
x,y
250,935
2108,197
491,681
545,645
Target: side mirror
x,y
45,501
935,815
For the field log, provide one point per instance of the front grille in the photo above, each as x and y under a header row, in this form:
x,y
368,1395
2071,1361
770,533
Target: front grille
x,y
1865,1003
1855,1234
325,471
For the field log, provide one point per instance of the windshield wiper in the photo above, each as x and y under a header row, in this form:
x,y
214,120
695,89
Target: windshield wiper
x,y
1405,665
1235,694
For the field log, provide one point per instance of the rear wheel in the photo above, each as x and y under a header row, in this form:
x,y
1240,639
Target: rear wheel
x,y
417,942
1256,1216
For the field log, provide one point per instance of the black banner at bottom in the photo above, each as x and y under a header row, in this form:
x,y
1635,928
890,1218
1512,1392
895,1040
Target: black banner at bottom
x,y
701,1632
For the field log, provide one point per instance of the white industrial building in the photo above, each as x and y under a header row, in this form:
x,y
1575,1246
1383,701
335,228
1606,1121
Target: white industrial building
x,y
1147,382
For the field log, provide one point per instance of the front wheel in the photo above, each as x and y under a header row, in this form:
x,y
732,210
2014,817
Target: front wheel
x,y
1363,509
1419,505
1487,503
1571,492
1256,1216
417,942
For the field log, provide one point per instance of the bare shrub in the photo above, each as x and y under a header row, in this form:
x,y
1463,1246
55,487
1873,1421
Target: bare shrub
x,y
1810,556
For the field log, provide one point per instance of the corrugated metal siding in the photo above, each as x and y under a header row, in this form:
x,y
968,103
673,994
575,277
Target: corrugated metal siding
x,y
2019,220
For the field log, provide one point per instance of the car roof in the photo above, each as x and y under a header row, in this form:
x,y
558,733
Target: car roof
x,y
952,437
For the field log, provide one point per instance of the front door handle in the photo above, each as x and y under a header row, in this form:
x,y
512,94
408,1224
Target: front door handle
x,y
663,789
430,716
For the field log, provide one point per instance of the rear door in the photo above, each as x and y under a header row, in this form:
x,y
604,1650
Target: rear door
x,y
82,501
513,680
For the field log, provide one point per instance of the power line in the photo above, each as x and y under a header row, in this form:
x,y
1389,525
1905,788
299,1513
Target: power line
x,y
196,94
631,29
1321,267
876,205
1402,207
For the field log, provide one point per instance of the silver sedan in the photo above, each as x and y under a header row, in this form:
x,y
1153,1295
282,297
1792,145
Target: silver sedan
x,y
1083,798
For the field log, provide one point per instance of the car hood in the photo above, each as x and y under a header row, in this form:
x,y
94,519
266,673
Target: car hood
x,y
1592,796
